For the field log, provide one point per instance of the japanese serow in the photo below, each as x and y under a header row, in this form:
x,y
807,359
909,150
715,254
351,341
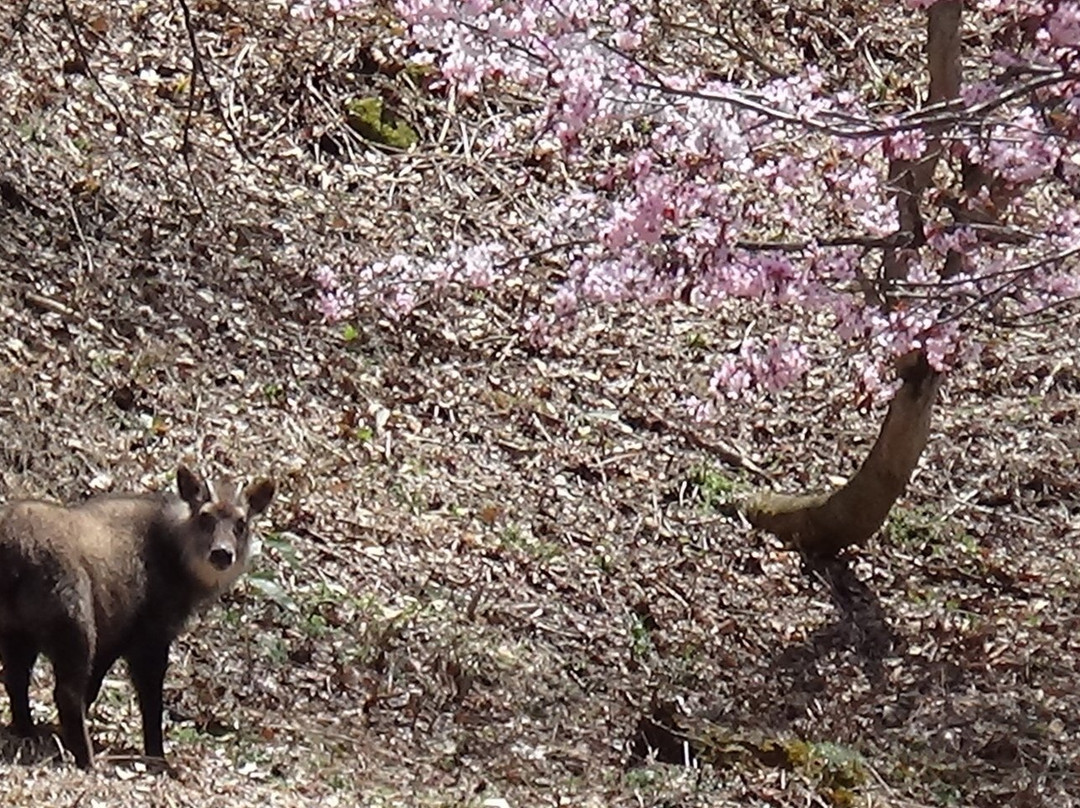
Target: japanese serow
x,y
115,576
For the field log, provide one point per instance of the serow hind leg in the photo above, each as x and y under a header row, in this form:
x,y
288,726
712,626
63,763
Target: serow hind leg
x,y
18,653
71,663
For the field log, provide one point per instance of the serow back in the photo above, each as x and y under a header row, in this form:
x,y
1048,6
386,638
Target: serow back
x,y
116,576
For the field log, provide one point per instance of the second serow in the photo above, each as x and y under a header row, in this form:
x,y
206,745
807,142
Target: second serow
x,y
116,576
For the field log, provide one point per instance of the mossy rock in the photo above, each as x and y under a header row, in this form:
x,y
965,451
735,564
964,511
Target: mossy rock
x,y
373,121
838,771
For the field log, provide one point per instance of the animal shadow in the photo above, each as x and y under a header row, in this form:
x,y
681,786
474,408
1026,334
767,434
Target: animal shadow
x,y
43,747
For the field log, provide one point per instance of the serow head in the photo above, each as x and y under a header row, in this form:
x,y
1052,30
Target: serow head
x,y
217,543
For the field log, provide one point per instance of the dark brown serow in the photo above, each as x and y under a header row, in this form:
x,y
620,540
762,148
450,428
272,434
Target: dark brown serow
x,y
116,576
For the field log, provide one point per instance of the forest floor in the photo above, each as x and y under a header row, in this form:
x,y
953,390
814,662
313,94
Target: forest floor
x,y
493,576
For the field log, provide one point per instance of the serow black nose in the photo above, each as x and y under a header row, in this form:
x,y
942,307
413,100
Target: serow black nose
x,y
221,558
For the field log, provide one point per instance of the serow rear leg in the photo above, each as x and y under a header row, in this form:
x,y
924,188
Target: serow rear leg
x,y
18,653
70,654
70,695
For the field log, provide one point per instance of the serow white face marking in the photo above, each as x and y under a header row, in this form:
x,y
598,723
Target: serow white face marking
x,y
217,547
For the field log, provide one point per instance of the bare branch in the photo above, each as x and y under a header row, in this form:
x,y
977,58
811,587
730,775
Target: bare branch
x,y
197,67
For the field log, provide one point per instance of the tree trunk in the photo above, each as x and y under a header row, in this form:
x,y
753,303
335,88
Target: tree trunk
x,y
909,179
824,524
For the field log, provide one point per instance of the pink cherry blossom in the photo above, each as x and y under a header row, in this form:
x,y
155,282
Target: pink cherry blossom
x,y
757,198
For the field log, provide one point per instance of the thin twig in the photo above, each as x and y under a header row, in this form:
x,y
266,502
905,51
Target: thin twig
x,y
20,21
85,57
56,307
197,66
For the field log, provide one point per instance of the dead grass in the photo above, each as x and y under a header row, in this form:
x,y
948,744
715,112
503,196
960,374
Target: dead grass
x,y
490,574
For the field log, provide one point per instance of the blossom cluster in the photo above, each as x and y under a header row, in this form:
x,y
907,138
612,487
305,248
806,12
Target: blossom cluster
x,y
731,193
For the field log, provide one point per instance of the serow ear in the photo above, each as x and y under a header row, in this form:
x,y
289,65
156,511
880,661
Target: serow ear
x,y
192,489
259,494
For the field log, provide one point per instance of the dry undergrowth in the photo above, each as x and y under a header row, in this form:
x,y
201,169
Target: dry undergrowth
x,y
490,575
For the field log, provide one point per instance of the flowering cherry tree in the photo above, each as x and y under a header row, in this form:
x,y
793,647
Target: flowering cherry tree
x,y
907,232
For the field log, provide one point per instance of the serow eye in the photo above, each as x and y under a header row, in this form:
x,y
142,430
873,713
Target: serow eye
x,y
239,526
207,522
